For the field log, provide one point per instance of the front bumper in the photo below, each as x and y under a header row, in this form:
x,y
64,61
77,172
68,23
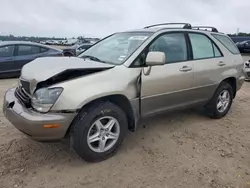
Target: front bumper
x,y
32,123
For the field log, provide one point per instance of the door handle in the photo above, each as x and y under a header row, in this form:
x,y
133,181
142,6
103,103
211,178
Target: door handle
x,y
221,63
185,69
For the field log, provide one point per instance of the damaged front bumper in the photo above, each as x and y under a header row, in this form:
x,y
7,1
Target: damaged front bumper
x,y
34,124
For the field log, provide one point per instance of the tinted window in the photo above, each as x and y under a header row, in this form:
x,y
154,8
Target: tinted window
x,y
43,49
28,50
6,51
173,45
201,45
217,52
227,43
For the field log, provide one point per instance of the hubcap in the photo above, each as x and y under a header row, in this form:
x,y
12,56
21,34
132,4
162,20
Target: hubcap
x,y
103,134
223,101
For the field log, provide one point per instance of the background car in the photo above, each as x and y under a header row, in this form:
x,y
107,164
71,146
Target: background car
x,y
244,46
75,50
246,70
15,54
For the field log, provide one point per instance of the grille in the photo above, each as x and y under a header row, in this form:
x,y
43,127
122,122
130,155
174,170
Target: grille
x,y
25,85
22,96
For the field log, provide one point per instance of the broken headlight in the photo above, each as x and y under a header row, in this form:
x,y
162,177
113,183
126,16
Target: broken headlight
x,y
45,98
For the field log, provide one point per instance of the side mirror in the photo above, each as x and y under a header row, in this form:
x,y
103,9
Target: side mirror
x,y
155,58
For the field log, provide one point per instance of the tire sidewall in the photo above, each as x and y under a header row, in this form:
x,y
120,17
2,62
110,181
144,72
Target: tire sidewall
x,y
83,125
224,86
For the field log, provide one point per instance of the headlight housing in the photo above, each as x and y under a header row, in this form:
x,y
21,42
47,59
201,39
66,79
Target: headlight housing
x,y
45,98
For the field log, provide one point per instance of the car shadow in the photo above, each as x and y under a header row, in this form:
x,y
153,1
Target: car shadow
x,y
25,153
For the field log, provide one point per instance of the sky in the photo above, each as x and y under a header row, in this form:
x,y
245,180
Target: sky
x,y
99,18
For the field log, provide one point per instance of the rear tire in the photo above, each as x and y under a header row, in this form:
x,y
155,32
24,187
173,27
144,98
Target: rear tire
x,y
93,140
221,101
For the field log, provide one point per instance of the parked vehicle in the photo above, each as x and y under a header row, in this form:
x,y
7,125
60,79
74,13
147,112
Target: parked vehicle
x,y
42,42
96,97
239,38
75,50
246,70
49,42
70,42
15,54
244,46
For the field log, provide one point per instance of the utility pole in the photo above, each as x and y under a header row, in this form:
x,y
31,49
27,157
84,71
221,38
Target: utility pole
x,y
238,29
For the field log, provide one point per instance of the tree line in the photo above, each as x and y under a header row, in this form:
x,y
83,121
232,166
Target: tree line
x,y
34,39
37,39
240,35
24,38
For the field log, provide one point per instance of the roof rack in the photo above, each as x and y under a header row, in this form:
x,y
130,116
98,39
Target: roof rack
x,y
186,25
213,29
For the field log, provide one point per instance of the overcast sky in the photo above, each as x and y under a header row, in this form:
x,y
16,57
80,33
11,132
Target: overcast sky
x,y
68,18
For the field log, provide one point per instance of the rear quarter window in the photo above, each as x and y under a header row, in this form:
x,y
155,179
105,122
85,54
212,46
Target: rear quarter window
x,y
228,43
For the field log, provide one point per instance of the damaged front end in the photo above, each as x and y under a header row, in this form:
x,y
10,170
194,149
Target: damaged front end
x,y
36,93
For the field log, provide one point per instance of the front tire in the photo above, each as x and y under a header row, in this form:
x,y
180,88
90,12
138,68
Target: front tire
x,y
221,101
98,131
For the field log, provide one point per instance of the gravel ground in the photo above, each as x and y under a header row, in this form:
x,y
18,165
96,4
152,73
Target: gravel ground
x,y
181,149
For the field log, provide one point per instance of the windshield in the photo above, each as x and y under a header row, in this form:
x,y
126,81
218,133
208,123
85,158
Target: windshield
x,y
117,48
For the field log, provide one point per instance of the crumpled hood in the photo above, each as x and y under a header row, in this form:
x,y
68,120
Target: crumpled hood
x,y
44,68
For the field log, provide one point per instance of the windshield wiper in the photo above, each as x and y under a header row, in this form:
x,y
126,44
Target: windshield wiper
x,y
92,58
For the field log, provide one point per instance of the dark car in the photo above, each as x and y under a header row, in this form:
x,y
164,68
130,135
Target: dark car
x,y
15,54
75,50
244,46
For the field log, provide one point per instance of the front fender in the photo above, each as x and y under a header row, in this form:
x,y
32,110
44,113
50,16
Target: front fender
x,y
78,92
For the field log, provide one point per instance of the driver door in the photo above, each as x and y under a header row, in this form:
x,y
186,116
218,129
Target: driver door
x,y
168,86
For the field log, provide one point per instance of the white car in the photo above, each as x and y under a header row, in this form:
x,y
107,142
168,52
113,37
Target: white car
x,y
246,70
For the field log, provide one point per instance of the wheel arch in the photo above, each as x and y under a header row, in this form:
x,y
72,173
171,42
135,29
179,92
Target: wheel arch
x,y
118,99
232,82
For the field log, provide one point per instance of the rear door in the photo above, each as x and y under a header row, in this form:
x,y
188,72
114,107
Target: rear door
x,y
208,63
7,59
25,54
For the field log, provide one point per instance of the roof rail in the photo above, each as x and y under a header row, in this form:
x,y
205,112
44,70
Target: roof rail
x,y
186,25
213,29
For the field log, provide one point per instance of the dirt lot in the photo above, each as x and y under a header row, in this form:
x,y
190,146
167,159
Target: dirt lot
x,y
182,150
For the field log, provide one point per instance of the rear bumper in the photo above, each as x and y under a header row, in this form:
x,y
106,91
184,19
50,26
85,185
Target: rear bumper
x,y
32,123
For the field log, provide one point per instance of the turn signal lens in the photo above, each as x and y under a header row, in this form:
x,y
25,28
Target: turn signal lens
x,y
52,126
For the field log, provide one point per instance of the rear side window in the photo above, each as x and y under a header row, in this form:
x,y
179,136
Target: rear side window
x,y
28,50
203,47
217,52
225,41
6,51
